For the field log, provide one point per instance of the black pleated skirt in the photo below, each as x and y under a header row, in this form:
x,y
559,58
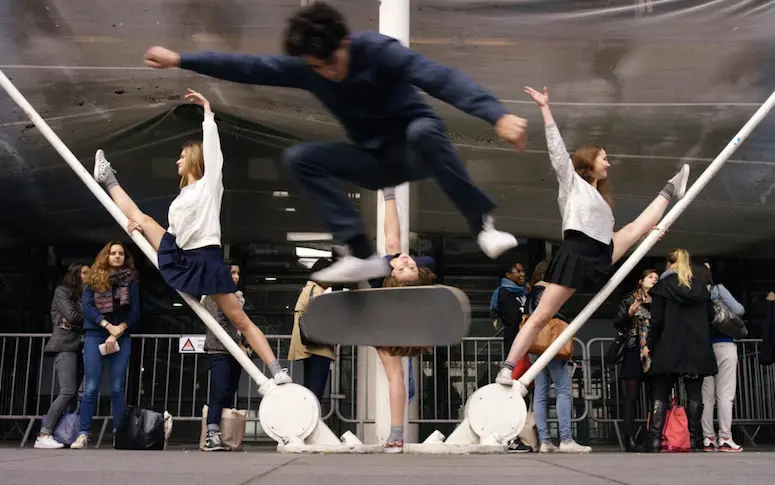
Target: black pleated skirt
x,y
200,271
581,263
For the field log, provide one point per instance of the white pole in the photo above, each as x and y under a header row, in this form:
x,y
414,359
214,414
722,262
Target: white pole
x,y
141,242
394,22
648,243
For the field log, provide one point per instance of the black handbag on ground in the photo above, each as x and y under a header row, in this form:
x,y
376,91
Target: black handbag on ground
x,y
727,322
140,429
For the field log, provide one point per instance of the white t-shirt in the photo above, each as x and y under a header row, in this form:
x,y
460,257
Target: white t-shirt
x,y
582,207
195,214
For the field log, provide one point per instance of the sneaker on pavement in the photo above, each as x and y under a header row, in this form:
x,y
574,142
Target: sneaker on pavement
x,y
680,181
517,446
80,443
728,445
547,447
213,441
493,242
573,447
47,443
350,269
709,443
504,377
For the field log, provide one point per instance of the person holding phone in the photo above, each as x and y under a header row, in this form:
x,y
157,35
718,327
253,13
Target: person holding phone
x,y
111,310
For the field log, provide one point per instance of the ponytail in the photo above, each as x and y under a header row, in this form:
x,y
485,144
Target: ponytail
x,y
679,260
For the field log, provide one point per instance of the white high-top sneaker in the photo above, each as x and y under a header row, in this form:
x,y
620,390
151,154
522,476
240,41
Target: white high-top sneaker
x,y
102,167
282,377
728,445
350,269
680,181
504,377
493,242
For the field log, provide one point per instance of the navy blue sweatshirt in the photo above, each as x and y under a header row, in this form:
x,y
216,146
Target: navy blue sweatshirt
x,y
129,314
377,100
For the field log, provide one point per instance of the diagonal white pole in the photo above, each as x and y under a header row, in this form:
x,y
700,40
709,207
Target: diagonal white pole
x,y
138,238
648,243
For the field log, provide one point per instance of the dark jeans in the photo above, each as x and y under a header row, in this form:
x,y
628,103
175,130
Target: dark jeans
x,y
316,372
68,368
93,361
425,152
225,372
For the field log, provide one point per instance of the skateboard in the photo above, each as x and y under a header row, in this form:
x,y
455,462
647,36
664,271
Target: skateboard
x,y
383,317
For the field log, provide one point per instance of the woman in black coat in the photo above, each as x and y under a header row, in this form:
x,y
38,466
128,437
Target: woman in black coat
x,y
679,343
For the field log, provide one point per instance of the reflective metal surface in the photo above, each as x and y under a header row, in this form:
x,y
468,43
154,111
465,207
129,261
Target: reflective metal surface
x,y
657,83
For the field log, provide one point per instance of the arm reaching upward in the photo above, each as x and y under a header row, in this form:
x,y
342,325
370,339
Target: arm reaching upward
x,y
392,222
211,142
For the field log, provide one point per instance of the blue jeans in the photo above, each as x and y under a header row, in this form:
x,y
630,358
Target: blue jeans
x,y
557,372
316,371
118,362
225,372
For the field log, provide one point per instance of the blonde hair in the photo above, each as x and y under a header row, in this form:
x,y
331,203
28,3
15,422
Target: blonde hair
x,y
679,260
195,161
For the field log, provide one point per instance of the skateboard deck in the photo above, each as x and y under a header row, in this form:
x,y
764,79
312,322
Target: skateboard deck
x,y
384,317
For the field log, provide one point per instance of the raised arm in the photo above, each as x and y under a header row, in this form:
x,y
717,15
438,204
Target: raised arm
x,y
558,154
211,142
392,223
275,70
449,85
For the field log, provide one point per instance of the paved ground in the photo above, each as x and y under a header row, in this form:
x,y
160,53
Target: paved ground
x,y
33,467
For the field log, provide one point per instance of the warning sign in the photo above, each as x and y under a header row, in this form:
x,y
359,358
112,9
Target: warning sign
x,y
191,344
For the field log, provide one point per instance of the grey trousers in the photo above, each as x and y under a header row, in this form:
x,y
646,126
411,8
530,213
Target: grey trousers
x,y
66,368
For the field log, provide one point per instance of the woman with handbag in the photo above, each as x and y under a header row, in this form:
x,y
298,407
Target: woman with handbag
x,y
317,359
556,371
678,343
632,323
65,343
719,391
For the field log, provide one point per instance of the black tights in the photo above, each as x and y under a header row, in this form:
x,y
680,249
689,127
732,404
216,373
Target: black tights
x,y
631,391
661,385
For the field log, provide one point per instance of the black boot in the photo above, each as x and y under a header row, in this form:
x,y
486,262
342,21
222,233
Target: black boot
x,y
630,446
694,416
656,426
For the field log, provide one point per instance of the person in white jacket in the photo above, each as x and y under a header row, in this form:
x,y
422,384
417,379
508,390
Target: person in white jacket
x,y
190,258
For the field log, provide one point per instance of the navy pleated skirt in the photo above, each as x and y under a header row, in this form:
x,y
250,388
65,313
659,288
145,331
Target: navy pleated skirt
x,y
581,263
200,271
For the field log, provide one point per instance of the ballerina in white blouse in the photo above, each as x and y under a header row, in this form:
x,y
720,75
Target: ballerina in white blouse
x,y
590,246
190,258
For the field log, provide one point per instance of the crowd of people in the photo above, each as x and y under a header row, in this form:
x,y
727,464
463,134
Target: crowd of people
x,y
667,334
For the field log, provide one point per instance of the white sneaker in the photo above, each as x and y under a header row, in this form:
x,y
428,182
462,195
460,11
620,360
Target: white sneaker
x,y
80,443
47,443
504,377
282,377
680,181
573,447
350,269
493,242
101,167
728,445
167,426
548,447
709,443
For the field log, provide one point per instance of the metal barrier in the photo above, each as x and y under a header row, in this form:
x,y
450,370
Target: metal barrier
x,y
164,379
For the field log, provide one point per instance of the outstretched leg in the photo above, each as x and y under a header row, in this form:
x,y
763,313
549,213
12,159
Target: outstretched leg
x,y
553,298
230,306
625,237
105,175
394,369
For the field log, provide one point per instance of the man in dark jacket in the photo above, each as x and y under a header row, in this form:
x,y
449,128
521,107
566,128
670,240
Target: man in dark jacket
x,y
679,345
368,81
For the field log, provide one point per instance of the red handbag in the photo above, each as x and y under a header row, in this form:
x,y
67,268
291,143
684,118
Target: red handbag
x,y
675,434
522,366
